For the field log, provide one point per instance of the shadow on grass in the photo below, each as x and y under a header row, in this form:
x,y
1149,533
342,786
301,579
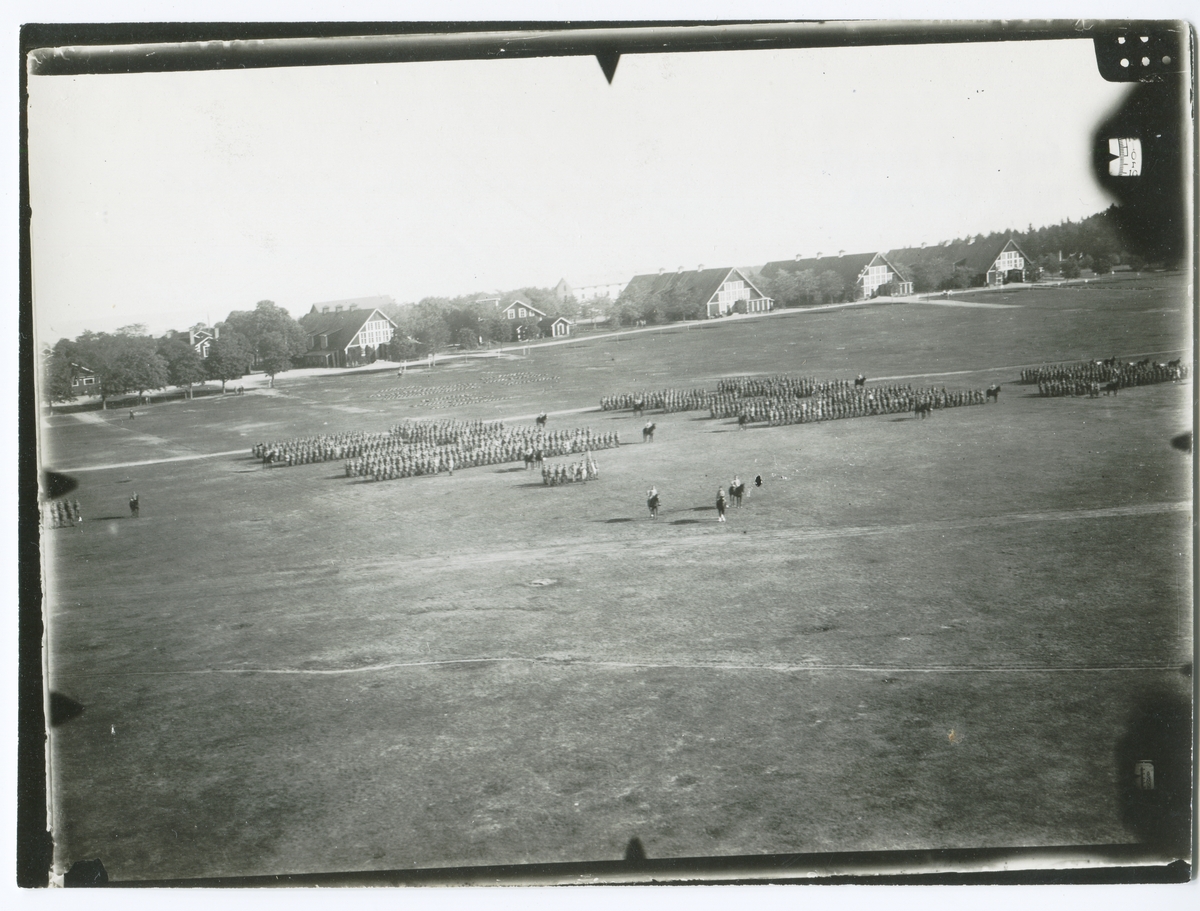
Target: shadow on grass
x,y
704,509
511,470
686,522
614,521
106,518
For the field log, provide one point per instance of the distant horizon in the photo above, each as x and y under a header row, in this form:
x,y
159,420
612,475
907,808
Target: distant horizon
x,y
302,309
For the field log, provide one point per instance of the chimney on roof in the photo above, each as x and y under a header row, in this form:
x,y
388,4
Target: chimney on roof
x,y
818,254
841,252
661,271
799,256
679,271
922,245
216,331
700,268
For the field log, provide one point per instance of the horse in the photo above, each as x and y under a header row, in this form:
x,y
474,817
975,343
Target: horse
x,y
737,491
652,502
1175,363
923,409
860,380
541,419
1112,387
992,393
648,433
528,459
743,420
639,407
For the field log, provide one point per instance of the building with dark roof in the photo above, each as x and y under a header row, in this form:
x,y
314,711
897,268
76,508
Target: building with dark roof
x,y
341,336
862,273
710,293
987,262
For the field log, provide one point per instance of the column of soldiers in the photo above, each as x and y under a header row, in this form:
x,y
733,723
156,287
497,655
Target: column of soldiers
x,y
322,448
401,459
665,400
560,473
408,392
861,402
60,513
1076,379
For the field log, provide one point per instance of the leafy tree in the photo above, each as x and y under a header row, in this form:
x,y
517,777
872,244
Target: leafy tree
x,y
57,373
1070,268
184,365
832,286
274,354
123,362
1049,264
229,357
930,272
270,324
468,337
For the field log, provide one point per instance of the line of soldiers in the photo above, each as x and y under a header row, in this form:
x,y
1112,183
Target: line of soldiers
x,y
1058,388
60,513
326,447
1141,373
779,385
862,402
408,392
561,473
734,403
517,378
402,460
665,400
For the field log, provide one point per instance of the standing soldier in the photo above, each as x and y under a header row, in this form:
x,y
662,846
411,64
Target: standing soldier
x,y
720,504
652,502
134,505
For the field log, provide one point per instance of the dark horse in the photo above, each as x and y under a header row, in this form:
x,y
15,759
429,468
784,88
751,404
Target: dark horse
x,y
737,492
648,433
923,409
541,419
993,392
860,380
1114,387
743,420
639,407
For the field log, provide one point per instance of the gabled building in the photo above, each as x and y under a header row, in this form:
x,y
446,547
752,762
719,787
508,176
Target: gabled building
x,y
520,308
710,293
83,381
589,292
200,338
862,273
555,326
345,337
995,263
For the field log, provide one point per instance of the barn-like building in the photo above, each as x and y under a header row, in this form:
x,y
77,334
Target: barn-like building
x,y
709,292
863,274
341,336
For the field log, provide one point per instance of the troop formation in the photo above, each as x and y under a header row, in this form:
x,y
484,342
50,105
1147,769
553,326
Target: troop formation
x,y
60,513
665,400
1089,377
560,473
786,399
420,448
861,402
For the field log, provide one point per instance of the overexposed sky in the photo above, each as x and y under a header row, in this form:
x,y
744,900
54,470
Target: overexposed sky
x,y
167,199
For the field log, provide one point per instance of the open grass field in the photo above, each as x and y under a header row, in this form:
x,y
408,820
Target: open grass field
x,y
915,634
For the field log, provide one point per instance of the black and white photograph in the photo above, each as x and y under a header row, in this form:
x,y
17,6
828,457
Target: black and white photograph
x,y
611,451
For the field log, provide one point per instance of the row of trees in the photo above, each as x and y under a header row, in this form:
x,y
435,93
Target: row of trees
x,y
130,361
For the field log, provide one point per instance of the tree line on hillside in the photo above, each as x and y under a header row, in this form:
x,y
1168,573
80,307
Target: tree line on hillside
x,y
130,361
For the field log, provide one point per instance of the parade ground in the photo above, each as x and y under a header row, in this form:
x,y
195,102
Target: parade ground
x,y
950,632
